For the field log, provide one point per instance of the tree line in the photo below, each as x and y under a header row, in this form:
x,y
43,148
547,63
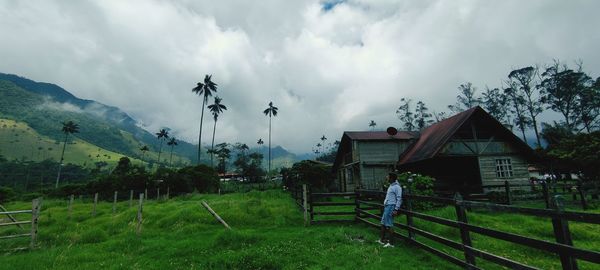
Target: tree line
x,y
524,94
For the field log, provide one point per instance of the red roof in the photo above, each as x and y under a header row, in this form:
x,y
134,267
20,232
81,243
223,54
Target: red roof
x,y
434,137
380,135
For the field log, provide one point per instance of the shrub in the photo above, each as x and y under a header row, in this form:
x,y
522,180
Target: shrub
x,y
419,185
6,194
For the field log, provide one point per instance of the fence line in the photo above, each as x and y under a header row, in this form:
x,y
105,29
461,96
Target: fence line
x,y
35,212
365,201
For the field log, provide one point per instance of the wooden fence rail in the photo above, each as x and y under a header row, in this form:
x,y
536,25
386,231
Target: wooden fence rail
x,y
35,212
366,201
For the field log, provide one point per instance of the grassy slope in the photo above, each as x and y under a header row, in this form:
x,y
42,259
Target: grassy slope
x,y
180,234
19,141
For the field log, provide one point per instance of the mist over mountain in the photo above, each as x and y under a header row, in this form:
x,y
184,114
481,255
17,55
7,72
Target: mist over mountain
x,y
44,106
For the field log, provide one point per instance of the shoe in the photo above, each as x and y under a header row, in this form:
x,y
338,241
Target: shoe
x,y
388,245
380,242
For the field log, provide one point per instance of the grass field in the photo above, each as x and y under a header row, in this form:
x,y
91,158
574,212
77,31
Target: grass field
x,y
180,234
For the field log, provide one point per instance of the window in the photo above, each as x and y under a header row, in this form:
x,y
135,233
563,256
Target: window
x,y
504,168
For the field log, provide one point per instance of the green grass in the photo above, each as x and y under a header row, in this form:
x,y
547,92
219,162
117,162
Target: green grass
x,y
180,234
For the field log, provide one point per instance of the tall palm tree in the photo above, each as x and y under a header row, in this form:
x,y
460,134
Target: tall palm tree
x,y
270,111
372,124
216,109
204,90
172,142
323,139
68,128
144,149
162,135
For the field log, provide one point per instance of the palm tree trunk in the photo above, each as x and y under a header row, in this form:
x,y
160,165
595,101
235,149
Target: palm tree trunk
x,y
61,160
269,144
159,151
200,134
212,145
171,157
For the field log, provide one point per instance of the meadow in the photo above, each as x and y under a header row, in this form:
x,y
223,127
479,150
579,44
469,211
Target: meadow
x,y
267,233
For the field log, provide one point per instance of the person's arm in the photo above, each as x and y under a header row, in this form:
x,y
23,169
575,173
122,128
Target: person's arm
x,y
398,198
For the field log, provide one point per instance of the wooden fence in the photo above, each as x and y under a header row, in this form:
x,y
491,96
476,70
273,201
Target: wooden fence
x,y
365,201
33,230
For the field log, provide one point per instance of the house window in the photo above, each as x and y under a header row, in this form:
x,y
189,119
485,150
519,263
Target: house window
x,y
504,168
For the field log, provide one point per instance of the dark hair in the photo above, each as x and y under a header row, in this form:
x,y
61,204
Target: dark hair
x,y
393,175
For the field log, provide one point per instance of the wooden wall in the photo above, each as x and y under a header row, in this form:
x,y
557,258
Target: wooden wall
x,y
487,165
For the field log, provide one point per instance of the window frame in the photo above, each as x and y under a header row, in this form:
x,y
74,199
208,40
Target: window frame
x,y
504,168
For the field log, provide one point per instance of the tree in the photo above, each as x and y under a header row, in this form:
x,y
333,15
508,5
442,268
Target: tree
x,y
495,103
323,139
144,149
172,142
260,142
216,109
517,107
161,135
422,116
223,154
270,111
439,116
466,98
204,90
68,128
405,114
372,125
589,106
561,87
522,81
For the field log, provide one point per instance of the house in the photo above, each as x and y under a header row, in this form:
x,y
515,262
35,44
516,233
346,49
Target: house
x,y
365,157
463,153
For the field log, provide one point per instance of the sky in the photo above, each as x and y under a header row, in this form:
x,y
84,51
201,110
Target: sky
x,y
329,66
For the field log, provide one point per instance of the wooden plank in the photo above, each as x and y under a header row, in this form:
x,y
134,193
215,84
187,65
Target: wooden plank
x,y
332,203
371,203
15,212
215,215
333,213
10,216
334,194
15,223
447,201
498,259
325,221
15,236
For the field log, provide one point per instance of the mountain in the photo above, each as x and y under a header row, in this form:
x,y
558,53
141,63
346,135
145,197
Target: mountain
x,y
44,106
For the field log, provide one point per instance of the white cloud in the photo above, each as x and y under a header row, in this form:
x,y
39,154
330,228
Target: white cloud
x,y
327,71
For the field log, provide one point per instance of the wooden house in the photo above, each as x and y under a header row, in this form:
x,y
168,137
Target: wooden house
x,y
463,153
365,157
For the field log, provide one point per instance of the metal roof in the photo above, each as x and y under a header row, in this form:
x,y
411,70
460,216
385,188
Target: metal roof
x,y
380,135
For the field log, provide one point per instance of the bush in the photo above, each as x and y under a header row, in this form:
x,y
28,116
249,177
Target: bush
x,y
7,194
203,178
420,185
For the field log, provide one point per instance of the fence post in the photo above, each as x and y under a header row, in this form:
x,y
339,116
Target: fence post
x,y
562,234
35,213
461,215
507,190
305,204
409,218
168,190
131,198
356,205
546,195
310,206
95,202
70,208
146,194
158,194
115,202
139,214
582,195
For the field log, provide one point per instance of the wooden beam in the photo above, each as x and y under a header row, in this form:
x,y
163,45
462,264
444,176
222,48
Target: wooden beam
x,y
212,212
10,216
486,145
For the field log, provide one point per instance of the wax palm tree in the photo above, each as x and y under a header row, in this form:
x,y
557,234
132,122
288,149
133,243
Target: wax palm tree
x,y
372,124
204,90
270,111
144,149
172,142
162,135
323,139
260,142
216,109
68,128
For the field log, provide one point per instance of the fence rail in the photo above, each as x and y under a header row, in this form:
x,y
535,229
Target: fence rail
x,y
366,201
35,212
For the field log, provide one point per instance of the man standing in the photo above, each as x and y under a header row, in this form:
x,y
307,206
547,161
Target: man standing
x,y
391,205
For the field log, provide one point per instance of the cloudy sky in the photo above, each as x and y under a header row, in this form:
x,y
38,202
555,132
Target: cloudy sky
x,y
329,66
